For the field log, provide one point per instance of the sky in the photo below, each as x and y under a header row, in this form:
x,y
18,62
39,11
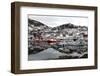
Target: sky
x,y
53,21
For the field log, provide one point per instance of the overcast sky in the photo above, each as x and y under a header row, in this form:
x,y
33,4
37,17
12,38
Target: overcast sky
x,y
54,21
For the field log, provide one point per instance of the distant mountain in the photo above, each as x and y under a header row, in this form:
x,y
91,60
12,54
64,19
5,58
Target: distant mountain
x,y
36,25
64,26
68,25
